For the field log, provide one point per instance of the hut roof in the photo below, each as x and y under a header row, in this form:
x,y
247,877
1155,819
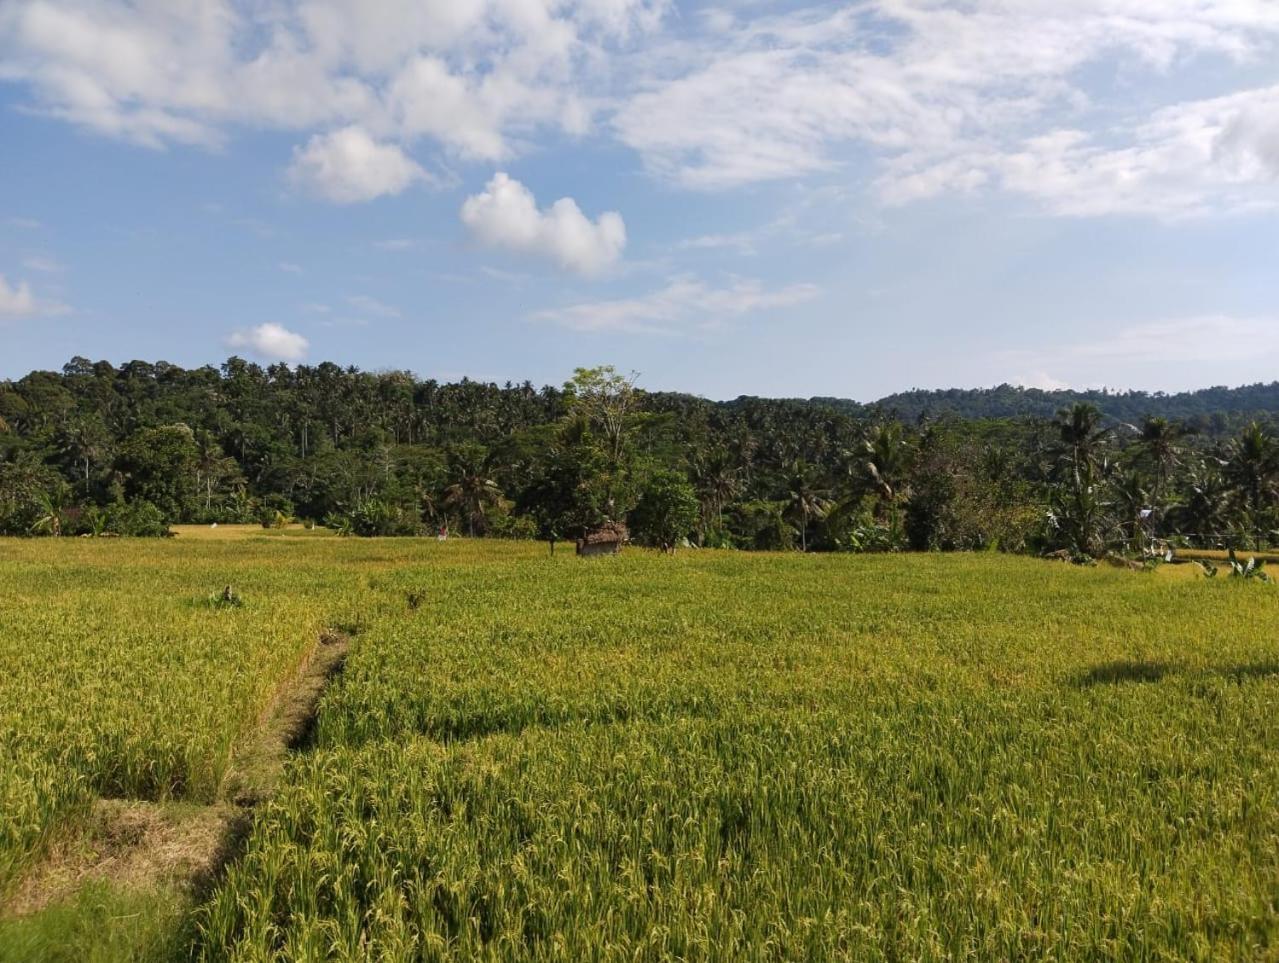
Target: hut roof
x,y
607,533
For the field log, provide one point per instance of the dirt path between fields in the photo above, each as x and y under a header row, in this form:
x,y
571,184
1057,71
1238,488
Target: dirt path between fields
x,y
140,845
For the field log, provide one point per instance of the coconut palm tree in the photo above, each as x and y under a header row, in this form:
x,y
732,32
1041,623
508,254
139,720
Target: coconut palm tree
x,y
806,498
1204,501
1252,470
886,458
716,481
471,490
1158,438
1131,495
1081,441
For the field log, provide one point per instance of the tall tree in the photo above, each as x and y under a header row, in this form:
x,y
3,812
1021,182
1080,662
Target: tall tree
x,y
1252,469
807,498
471,491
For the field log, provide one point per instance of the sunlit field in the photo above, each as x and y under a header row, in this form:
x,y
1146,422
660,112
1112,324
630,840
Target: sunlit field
x,y
710,756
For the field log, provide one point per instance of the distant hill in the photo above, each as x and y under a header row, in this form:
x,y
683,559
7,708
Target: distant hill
x,y
1207,405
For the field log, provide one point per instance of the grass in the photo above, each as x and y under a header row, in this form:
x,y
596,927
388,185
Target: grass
x,y
710,756
102,924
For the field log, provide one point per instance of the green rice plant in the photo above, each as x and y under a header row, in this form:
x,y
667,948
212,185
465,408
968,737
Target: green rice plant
x,y
121,680
729,757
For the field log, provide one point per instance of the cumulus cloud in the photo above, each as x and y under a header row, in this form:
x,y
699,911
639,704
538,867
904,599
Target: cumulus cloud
x,y
271,342
685,303
347,165
505,215
18,301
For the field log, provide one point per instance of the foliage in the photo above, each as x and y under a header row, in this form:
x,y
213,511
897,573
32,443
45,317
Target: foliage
x,y
380,518
138,519
387,453
667,511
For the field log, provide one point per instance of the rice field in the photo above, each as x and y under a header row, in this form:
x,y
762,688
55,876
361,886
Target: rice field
x,y
711,756
125,677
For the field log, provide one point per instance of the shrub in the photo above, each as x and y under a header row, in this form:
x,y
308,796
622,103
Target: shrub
x,y
136,519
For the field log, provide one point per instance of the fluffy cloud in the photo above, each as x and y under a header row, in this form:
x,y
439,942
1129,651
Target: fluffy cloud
x,y
18,301
955,97
271,342
505,215
466,73
347,165
939,96
1194,158
684,303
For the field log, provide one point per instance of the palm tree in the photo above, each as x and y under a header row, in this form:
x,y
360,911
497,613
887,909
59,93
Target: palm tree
x,y
806,498
1131,500
1252,470
1204,501
82,443
886,457
1079,513
1081,438
208,463
1159,439
471,491
716,481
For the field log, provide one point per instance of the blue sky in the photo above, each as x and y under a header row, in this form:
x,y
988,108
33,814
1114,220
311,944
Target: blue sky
x,y
768,198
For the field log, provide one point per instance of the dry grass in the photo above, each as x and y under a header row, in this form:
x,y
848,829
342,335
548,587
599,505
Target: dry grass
x,y
129,844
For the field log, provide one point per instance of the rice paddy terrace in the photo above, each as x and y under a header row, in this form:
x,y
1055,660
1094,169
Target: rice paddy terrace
x,y
496,754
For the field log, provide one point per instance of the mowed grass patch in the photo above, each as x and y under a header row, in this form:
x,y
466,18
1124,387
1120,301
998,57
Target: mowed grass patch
x,y
720,756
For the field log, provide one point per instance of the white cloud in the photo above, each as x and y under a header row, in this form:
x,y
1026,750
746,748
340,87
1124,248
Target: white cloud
x,y
396,244
938,96
1042,380
271,342
1207,338
45,265
469,74
347,165
369,305
288,267
18,301
1157,354
23,223
684,303
505,215
955,97
1220,154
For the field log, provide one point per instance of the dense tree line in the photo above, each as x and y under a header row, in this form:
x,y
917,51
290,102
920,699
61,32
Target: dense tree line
x,y
98,449
1214,411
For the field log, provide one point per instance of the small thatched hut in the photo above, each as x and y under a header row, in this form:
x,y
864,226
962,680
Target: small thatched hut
x,y
605,540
